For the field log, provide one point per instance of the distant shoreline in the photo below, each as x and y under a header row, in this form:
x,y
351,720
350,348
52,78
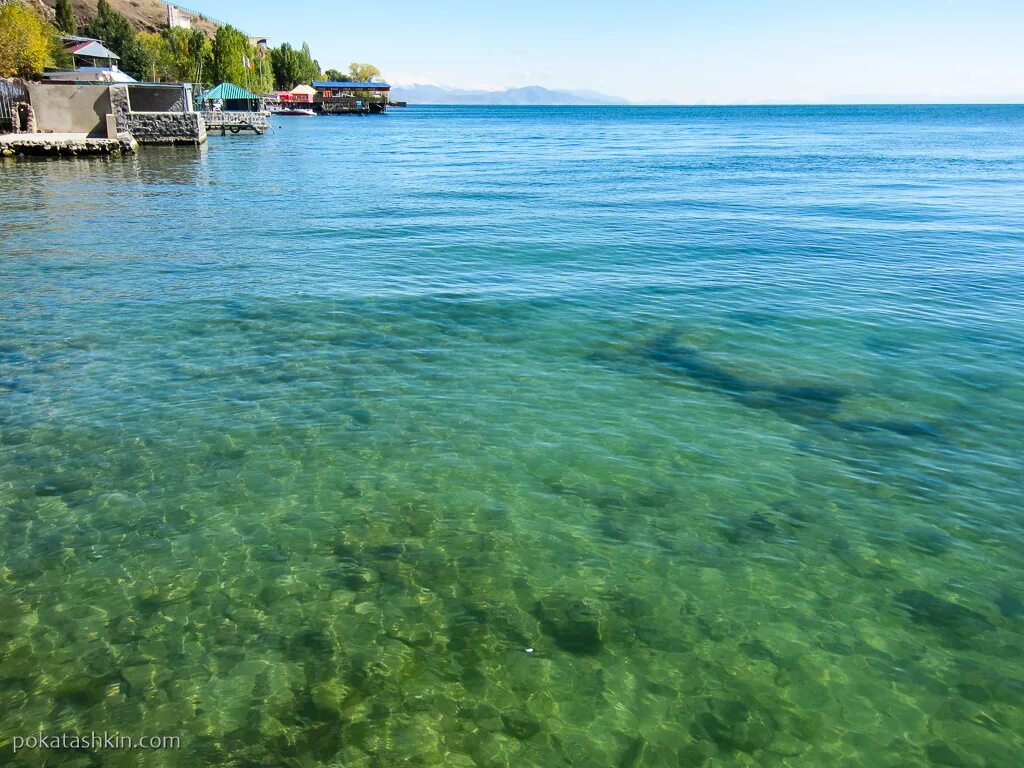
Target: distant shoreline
x,y
732,106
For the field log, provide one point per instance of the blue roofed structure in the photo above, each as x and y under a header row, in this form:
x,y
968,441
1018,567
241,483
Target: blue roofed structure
x,y
345,85
350,97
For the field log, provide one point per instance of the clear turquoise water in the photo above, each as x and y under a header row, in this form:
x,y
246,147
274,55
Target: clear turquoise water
x,y
305,439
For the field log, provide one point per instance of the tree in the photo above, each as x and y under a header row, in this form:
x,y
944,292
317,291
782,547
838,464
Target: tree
x,y
26,42
231,56
362,73
263,74
117,34
188,51
310,65
292,67
337,76
162,67
65,20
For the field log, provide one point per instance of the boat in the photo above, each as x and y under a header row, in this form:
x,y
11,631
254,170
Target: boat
x,y
294,112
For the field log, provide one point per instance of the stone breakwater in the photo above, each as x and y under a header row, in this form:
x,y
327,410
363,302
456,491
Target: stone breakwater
x,y
69,145
167,127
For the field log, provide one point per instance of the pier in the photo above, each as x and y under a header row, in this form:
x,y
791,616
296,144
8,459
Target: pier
x,y
235,122
229,108
339,97
64,145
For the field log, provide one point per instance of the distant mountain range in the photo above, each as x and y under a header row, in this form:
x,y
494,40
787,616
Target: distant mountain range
x,y
531,95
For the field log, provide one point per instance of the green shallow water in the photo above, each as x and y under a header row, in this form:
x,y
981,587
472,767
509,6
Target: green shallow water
x,y
598,437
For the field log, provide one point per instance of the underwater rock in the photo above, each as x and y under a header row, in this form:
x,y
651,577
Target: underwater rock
x,y
81,690
613,530
755,648
942,754
141,677
1010,606
62,484
944,615
354,576
694,755
801,404
158,590
485,716
389,551
634,754
328,696
415,634
760,523
361,417
983,685
812,400
310,645
571,623
520,725
734,726
756,526
931,541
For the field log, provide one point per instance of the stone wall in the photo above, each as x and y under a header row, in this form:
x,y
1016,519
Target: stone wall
x,y
119,107
165,127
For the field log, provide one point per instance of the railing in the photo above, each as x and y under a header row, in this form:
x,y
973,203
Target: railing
x,y
351,104
12,92
236,121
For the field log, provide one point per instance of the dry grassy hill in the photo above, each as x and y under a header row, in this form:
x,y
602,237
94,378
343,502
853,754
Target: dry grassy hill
x,y
144,15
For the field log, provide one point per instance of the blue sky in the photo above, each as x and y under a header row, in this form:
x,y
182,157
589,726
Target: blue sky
x,y
685,51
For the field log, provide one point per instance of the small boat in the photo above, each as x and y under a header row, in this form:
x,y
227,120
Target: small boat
x,y
295,112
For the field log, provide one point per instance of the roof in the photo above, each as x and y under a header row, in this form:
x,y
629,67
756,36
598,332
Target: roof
x,y
93,49
344,84
228,92
90,74
304,89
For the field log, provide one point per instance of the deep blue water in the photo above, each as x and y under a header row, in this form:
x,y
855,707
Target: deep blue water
x,y
522,436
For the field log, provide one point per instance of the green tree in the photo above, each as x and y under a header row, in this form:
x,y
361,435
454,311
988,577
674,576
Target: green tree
x,y
188,50
66,17
292,67
310,66
337,76
26,42
263,73
230,57
162,67
117,34
362,73
283,65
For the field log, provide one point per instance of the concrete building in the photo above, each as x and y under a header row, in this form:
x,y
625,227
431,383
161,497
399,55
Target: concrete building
x,y
72,118
178,18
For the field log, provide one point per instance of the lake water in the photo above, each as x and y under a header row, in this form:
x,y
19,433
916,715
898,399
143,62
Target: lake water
x,y
521,437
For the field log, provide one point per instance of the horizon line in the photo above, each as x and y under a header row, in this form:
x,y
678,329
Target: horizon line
x,y
740,104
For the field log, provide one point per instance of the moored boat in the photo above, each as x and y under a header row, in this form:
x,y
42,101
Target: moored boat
x,y
294,112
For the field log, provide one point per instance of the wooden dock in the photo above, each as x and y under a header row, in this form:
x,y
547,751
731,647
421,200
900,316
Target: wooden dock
x,y
350,105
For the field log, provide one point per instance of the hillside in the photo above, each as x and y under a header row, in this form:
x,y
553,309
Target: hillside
x,y
144,15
